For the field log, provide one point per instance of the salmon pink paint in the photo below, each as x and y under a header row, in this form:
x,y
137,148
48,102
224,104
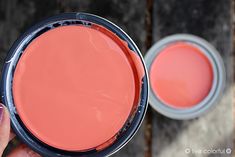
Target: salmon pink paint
x,y
74,87
181,75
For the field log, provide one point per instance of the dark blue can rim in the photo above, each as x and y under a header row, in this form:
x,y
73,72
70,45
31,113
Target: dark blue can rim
x,y
7,76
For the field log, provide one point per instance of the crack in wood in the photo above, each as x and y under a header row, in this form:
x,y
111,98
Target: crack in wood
x,y
148,43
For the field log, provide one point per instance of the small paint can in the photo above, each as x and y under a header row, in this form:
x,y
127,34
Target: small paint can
x,y
186,74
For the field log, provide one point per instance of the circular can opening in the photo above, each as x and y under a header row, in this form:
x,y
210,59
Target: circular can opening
x,y
181,76
74,85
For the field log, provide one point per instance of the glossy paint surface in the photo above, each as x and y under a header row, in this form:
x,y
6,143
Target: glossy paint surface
x,y
181,76
74,87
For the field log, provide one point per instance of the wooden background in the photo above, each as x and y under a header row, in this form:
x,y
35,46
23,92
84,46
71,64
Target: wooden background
x,y
147,21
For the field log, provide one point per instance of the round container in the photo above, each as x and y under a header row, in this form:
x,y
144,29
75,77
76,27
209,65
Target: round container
x,y
75,85
186,76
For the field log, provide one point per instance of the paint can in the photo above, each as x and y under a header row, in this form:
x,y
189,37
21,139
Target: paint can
x,y
64,98
187,76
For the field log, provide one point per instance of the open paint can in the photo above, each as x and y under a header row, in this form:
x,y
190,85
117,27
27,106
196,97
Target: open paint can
x,y
186,75
75,85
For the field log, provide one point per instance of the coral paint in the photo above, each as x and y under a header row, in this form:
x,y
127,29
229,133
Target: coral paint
x,y
75,86
181,76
